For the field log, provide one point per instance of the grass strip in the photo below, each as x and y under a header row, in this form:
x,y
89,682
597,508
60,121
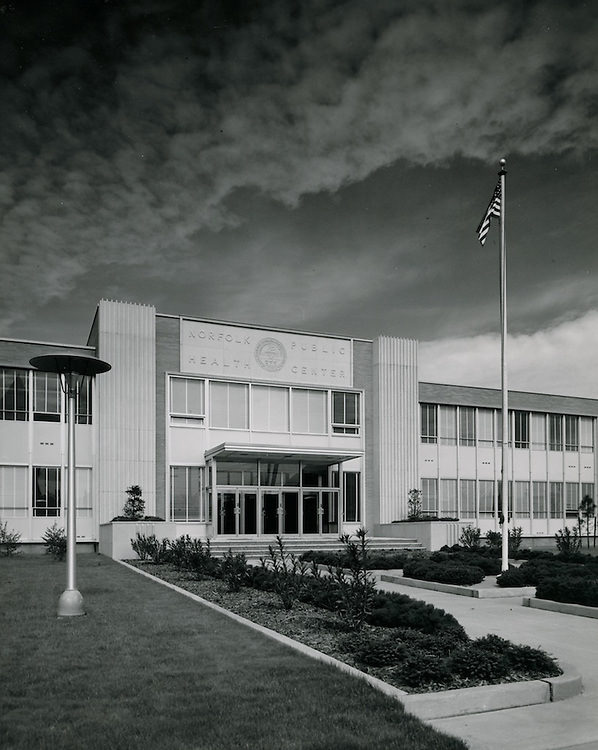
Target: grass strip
x,y
147,668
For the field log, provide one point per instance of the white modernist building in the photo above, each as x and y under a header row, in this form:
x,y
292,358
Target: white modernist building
x,y
236,430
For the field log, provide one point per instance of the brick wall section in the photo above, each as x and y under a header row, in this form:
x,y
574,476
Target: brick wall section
x,y
363,378
18,353
436,393
167,360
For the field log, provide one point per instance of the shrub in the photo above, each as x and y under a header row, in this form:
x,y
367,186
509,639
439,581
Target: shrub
x,y
9,540
200,561
478,662
489,564
471,538
289,573
55,541
377,649
143,545
511,578
449,572
421,668
568,541
569,590
392,610
234,570
533,662
494,542
135,504
356,590
414,505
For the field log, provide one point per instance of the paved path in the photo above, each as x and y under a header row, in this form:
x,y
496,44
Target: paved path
x,y
565,725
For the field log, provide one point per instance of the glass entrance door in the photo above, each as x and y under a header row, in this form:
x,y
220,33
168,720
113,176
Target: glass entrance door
x,y
248,513
227,512
290,513
270,514
311,512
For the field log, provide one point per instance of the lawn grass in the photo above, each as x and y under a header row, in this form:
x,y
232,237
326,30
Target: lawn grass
x,y
147,668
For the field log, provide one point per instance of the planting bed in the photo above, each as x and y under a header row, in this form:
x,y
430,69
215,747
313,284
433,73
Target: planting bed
x,y
405,657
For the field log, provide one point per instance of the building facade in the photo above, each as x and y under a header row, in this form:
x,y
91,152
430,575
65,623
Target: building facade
x,y
235,430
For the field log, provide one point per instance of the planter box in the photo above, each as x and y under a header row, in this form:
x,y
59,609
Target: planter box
x,y
430,534
115,537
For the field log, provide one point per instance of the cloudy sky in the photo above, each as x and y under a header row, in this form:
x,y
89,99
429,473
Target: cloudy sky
x,y
313,164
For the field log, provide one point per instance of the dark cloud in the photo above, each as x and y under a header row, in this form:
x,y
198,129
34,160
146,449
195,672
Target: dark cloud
x,y
128,128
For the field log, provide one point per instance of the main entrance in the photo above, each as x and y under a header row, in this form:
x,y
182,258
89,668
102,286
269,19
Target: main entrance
x,y
278,511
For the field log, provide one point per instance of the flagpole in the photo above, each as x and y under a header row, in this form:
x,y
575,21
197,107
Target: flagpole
x,y
503,366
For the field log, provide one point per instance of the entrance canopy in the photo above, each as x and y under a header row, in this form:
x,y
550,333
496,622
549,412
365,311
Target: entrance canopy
x,y
244,452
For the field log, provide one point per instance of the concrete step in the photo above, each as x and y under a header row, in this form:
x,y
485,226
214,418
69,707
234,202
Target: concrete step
x,y
255,547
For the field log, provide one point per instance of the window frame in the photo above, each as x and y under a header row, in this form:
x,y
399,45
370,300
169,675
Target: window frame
x,y
345,426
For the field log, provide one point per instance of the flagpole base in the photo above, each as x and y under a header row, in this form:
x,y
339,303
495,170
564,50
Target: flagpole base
x,y
70,604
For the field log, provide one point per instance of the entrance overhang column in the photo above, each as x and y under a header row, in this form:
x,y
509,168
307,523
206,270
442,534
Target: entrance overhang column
x,y
214,496
341,495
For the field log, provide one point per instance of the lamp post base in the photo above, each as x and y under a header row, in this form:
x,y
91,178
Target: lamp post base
x,y
70,604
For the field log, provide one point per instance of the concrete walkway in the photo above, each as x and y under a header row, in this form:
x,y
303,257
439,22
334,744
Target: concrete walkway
x,y
573,640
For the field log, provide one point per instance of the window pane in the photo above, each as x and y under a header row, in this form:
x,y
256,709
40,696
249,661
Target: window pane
x,y
521,419
269,408
13,492
448,498
448,425
522,499
571,434
556,499
466,425
219,404
486,426
13,394
540,500
555,432
428,423
309,411
586,434
571,499
430,496
538,428
467,498
486,493
352,499
46,491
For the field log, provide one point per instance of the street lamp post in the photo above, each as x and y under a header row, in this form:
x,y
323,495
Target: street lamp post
x,y
73,367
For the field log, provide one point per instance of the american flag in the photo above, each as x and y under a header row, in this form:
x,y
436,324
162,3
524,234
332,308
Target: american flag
x,y
492,210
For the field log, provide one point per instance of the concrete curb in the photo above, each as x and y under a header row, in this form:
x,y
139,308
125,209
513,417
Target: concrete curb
x,y
423,705
564,608
448,588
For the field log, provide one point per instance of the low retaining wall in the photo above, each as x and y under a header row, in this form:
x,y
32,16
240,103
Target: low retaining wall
x,y
562,607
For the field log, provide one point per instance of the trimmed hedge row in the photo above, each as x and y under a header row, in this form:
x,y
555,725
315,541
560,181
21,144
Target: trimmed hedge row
x,y
569,590
532,572
377,559
443,572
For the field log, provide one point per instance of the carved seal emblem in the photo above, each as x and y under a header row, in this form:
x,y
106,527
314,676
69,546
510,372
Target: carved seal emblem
x,y
270,354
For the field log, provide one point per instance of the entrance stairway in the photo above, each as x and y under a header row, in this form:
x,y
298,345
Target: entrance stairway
x,y
255,547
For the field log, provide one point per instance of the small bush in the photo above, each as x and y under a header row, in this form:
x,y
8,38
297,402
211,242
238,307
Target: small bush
x,y
234,570
377,650
478,662
55,541
9,540
568,541
421,668
200,561
289,573
135,504
533,662
511,578
471,538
